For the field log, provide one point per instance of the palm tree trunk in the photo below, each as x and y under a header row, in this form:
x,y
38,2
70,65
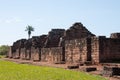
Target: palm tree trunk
x,y
29,33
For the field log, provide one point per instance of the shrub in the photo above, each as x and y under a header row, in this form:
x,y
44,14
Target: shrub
x,y
4,49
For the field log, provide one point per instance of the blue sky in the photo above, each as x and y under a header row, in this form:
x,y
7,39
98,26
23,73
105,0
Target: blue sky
x,y
101,17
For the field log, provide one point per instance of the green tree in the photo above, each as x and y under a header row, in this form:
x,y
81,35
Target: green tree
x,y
4,49
29,29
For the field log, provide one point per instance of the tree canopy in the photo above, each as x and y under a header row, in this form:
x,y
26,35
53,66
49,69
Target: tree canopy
x,y
4,49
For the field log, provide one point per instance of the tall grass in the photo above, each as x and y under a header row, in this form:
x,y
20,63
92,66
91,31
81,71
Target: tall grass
x,y
14,71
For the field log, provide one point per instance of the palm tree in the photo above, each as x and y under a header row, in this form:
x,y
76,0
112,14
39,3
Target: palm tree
x,y
29,29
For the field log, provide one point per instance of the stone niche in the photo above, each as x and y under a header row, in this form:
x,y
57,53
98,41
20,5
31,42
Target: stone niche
x,y
28,54
23,53
77,31
78,50
52,55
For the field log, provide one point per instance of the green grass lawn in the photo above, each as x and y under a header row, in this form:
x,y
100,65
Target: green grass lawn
x,y
1,56
14,71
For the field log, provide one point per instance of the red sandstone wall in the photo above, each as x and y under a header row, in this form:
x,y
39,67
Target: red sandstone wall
x,y
23,53
35,54
51,54
95,50
110,50
77,50
105,50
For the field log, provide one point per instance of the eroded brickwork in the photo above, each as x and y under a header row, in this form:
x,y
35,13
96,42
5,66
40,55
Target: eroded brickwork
x,y
77,31
78,50
105,49
54,38
52,54
74,45
36,54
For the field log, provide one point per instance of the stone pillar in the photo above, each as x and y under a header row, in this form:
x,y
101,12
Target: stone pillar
x,y
35,54
23,53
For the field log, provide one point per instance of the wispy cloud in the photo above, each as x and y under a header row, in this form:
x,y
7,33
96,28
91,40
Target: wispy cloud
x,y
13,20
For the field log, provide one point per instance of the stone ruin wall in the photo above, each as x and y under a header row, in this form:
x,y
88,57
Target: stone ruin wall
x,y
78,50
53,55
53,38
115,35
105,49
23,53
74,45
77,31
35,54
110,50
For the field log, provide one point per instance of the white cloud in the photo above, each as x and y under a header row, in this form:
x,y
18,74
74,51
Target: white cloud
x,y
13,20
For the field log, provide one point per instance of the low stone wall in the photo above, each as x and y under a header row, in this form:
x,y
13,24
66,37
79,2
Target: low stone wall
x,y
53,55
111,71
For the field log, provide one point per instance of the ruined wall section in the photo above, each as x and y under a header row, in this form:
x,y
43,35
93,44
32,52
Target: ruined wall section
x,y
110,50
35,54
53,38
105,49
23,53
16,48
52,55
96,48
115,35
78,50
77,31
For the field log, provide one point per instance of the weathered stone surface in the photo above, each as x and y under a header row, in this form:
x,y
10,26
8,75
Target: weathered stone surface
x,y
28,43
77,31
115,35
54,38
38,41
111,71
52,55
36,54
23,53
78,50
105,49
16,48
75,45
